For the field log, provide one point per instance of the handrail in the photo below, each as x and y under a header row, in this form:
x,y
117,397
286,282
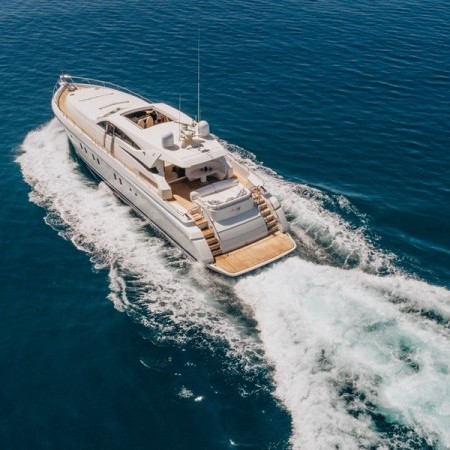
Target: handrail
x,y
68,79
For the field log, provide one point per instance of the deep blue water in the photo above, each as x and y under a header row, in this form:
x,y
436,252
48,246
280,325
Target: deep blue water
x,y
110,338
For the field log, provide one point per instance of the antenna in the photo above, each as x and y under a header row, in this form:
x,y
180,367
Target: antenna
x,y
198,75
179,116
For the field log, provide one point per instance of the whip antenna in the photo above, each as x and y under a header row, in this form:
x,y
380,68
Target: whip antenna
x,y
198,76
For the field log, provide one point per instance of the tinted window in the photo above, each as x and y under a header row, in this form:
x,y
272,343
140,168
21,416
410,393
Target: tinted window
x,y
121,135
110,129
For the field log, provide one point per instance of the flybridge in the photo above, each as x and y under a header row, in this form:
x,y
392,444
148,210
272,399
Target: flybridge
x,y
151,126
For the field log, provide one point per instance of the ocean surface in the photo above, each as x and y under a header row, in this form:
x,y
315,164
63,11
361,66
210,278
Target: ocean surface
x,y
111,339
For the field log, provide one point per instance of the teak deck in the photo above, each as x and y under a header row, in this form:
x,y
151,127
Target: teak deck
x,y
181,192
63,97
255,255
62,100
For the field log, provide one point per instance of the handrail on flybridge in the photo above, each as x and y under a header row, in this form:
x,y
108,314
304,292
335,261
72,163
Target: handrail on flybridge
x,y
66,79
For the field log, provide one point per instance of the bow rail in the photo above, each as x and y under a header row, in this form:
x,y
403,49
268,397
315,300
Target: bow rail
x,y
67,79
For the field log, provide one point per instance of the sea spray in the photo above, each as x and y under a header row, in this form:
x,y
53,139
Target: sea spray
x,y
326,236
345,353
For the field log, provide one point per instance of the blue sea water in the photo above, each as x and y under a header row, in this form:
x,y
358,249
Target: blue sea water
x,y
110,338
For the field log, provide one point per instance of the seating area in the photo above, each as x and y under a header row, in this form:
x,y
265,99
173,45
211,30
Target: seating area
x,y
202,173
214,188
185,192
224,199
147,118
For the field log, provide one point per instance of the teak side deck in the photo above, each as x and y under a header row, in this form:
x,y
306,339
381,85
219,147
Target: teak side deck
x,y
255,255
181,191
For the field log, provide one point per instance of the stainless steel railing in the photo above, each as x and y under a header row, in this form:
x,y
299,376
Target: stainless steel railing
x,y
71,79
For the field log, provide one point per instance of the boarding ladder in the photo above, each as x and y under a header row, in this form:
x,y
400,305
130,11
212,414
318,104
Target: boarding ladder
x,y
266,212
211,239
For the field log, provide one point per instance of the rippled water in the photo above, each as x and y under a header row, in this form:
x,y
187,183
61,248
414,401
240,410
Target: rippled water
x,y
343,108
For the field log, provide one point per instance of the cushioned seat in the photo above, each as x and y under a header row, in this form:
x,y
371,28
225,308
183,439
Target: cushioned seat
x,y
213,187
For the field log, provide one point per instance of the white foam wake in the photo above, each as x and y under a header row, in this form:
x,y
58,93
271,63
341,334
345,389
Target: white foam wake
x,y
343,348
326,237
138,263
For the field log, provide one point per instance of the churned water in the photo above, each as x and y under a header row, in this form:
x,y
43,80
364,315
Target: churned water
x,y
111,338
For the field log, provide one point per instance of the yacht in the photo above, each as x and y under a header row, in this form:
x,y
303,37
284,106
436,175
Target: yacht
x,y
175,174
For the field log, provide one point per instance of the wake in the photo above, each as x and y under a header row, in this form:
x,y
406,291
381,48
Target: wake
x,y
317,220
359,351
349,362
140,265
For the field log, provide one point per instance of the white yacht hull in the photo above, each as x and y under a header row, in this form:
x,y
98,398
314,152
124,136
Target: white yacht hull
x,y
215,210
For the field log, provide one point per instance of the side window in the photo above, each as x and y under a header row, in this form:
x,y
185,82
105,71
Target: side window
x,y
118,134
110,129
134,145
121,135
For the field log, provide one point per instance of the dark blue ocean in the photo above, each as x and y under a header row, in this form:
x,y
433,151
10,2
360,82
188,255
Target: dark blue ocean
x,y
111,339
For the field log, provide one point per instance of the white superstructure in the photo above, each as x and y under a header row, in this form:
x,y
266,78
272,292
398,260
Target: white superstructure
x,y
175,174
